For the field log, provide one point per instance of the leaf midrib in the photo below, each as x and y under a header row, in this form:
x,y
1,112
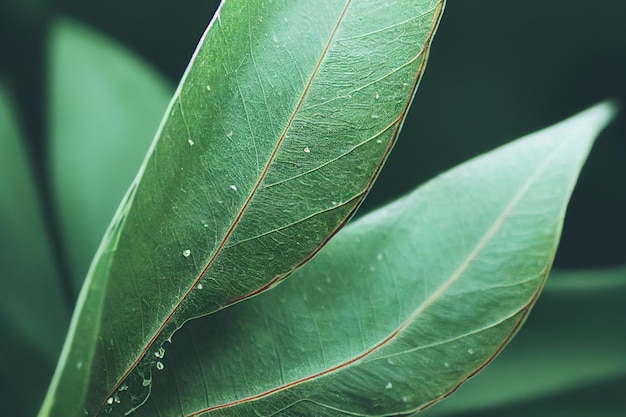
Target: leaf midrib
x,y
454,277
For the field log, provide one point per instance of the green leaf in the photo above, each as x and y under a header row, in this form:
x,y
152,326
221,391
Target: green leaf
x,y
594,280
105,105
597,400
275,135
574,339
33,314
401,307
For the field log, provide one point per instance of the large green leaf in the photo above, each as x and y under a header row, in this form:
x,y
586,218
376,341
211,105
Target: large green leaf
x,y
33,312
105,105
575,338
401,307
275,135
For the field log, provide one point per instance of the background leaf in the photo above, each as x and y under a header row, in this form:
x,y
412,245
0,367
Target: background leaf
x,y
272,140
105,105
33,311
401,307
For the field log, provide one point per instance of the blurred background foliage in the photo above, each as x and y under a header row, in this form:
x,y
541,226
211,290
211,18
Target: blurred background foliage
x,y
498,70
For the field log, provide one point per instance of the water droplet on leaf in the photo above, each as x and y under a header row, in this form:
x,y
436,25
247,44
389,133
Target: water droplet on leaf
x,y
160,353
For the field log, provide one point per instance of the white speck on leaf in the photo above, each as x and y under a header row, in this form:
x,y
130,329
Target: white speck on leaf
x,y
405,399
470,351
159,365
375,116
446,364
208,88
229,134
110,400
389,385
233,187
377,96
190,142
79,364
379,141
379,256
186,253
390,361
160,353
275,38
199,286
307,150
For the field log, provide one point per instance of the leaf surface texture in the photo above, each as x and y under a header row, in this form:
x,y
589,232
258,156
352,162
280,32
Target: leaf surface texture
x,y
401,307
280,125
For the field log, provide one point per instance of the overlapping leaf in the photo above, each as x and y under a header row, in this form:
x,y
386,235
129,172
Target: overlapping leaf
x,y
279,127
401,307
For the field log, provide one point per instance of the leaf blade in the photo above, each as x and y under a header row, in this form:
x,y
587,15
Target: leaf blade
x,y
345,335
199,217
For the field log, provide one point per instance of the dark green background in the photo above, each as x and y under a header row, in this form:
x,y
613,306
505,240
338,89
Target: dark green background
x,y
498,70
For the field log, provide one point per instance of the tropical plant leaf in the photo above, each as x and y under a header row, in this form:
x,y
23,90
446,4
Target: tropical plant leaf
x,y
33,312
105,105
401,307
552,357
273,138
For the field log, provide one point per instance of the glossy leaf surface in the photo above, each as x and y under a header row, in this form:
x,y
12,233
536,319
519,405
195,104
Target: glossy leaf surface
x,y
105,105
277,131
401,307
